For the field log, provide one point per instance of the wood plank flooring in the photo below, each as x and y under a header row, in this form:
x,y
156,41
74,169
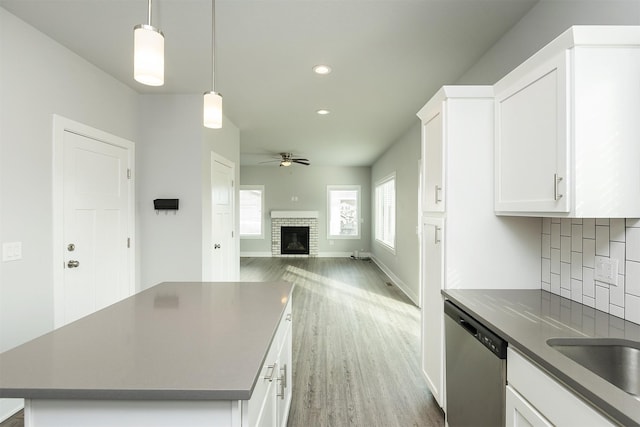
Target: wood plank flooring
x,y
356,345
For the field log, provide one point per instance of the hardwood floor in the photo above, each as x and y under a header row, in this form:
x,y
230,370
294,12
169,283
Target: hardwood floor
x,y
356,345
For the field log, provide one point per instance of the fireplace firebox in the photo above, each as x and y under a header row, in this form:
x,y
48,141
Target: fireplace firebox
x,y
294,240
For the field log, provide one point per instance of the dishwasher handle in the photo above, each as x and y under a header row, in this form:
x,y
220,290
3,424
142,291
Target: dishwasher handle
x,y
468,327
489,339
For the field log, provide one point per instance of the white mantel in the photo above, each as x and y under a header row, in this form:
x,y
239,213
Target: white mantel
x,y
294,214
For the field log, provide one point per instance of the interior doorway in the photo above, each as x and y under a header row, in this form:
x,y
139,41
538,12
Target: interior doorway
x,y
224,265
93,189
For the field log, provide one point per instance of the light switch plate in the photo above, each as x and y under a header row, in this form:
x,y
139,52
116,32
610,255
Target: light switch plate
x,y
606,270
11,251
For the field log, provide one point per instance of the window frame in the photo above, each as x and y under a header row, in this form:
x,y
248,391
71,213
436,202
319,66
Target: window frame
x,y
344,187
262,221
378,184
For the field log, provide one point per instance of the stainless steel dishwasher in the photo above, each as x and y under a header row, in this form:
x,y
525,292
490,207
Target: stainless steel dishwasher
x,y
476,361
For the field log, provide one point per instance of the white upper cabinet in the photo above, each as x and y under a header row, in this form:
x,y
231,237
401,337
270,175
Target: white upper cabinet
x,y
567,140
433,191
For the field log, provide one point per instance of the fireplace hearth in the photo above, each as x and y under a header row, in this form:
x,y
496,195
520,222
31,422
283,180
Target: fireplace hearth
x,y
294,240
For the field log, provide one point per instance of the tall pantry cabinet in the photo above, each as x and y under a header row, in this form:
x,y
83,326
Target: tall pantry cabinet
x,y
463,243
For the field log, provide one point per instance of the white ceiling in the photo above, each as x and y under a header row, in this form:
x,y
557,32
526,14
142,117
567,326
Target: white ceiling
x,y
388,57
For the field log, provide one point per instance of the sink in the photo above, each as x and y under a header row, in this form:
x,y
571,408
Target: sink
x,y
615,360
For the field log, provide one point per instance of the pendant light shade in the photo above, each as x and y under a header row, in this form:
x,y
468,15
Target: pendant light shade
x,y
212,110
148,54
212,106
148,60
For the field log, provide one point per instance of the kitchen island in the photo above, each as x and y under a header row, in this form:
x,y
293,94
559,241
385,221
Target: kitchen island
x,y
179,353
528,318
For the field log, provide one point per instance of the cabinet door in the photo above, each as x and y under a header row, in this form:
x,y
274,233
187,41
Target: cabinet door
x,y
520,413
433,164
432,306
532,140
285,380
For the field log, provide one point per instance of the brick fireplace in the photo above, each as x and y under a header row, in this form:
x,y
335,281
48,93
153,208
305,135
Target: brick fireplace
x,y
296,219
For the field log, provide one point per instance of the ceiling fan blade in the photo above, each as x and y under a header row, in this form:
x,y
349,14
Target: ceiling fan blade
x,y
301,162
270,161
301,159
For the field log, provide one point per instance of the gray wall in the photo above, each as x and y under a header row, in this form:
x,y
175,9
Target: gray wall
x,y
174,161
309,185
39,78
403,158
547,20
543,23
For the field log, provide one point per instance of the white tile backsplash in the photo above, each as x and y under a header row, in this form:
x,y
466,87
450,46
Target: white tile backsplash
x,y
569,248
602,240
633,244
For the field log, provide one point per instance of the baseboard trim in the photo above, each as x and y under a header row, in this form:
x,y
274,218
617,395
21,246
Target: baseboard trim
x,y
10,407
255,255
396,281
320,255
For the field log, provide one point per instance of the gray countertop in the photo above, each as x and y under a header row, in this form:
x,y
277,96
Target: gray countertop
x,y
182,341
527,318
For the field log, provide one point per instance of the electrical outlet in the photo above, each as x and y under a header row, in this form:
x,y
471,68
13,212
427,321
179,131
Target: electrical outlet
x,y
11,251
606,270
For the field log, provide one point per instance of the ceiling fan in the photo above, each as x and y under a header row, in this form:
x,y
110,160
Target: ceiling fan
x,y
286,159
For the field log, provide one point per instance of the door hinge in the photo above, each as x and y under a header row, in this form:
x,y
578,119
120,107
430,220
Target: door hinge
x,y
128,242
231,233
128,173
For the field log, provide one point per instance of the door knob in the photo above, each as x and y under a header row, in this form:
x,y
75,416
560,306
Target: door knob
x,y
216,246
73,264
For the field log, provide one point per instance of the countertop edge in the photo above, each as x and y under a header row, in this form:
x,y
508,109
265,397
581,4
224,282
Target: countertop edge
x,y
598,403
156,394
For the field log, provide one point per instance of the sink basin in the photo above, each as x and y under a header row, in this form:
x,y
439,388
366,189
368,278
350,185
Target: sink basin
x,y
615,360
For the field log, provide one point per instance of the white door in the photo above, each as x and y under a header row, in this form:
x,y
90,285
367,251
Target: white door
x,y
96,220
223,214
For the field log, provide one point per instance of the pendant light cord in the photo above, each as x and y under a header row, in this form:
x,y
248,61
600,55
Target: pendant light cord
x,y
213,45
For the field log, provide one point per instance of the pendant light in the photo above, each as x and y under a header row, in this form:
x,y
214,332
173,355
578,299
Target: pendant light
x,y
212,111
148,53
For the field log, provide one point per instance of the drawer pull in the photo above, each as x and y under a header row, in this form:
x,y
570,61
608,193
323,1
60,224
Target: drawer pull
x,y
437,190
271,370
283,382
556,180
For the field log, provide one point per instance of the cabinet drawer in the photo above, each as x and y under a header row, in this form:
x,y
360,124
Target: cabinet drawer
x,y
559,405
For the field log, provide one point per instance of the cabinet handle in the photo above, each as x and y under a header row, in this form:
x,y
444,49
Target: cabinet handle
x,y
435,238
556,181
437,190
270,375
283,382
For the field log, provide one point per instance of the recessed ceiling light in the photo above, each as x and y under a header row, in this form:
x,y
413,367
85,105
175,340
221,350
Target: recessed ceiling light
x,y
322,69
323,112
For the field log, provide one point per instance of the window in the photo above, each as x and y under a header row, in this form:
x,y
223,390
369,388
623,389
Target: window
x,y
385,211
343,216
251,207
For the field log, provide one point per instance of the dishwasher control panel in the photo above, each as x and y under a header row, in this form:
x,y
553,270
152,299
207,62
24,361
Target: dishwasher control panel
x,y
487,338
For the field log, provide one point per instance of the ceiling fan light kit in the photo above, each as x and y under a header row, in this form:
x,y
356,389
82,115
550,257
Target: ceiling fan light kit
x,y
148,53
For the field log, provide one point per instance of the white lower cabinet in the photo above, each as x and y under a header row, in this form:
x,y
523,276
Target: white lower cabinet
x,y
520,413
271,399
533,398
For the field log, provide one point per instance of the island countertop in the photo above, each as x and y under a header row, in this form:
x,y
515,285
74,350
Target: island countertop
x,y
174,341
528,318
